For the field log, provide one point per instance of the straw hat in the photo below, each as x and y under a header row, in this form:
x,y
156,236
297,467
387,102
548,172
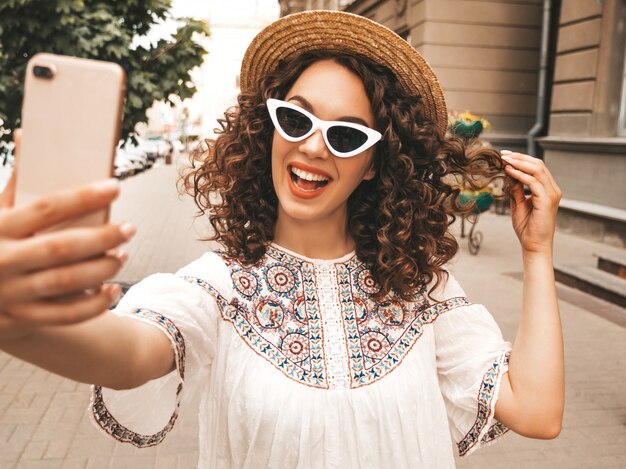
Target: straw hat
x,y
343,32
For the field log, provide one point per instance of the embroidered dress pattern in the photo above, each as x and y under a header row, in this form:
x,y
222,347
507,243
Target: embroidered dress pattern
x,y
109,424
486,393
333,327
293,348
317,323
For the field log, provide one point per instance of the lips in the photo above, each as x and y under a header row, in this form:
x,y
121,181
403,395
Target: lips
x,y
307,182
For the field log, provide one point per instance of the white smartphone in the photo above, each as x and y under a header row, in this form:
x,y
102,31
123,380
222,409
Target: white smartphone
x,y
71,121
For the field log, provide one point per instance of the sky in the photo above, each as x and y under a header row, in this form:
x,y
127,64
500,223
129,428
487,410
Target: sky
x,y
217,12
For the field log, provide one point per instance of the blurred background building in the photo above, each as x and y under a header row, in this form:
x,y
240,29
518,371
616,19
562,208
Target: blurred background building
x,y
232,26
485,53
293,6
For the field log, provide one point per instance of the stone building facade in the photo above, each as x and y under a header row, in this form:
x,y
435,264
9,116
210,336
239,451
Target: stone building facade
x,y
586,142
485,53
553,66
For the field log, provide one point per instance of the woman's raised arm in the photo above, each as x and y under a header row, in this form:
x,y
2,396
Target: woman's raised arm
x,y
532,393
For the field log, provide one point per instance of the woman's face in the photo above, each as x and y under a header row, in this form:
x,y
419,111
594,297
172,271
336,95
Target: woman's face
x,y
311,183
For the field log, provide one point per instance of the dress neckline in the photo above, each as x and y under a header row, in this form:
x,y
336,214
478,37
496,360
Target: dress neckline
x,y
339,260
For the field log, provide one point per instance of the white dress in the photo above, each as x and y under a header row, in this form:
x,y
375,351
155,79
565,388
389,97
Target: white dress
x,y
299,368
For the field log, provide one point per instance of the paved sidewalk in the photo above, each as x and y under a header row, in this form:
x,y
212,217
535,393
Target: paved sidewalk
x,y
44,424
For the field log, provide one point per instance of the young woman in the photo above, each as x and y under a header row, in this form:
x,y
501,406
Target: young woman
x,y
327,333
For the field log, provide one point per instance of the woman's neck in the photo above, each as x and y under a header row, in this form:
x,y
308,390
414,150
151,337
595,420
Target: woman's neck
x,y
314,239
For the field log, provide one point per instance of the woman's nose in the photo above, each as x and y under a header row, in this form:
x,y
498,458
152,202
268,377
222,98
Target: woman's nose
x,y
314,146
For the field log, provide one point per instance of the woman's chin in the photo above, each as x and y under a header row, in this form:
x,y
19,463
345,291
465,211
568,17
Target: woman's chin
x,y
297,211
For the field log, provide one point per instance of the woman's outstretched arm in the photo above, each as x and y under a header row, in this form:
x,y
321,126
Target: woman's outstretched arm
x,y
52,302
56,278
532,393
53,309
108,350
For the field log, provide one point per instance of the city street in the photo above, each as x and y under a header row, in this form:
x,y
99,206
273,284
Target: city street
x,y
44,421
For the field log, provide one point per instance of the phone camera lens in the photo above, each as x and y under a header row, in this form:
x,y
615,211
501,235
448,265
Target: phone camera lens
x,y
42,71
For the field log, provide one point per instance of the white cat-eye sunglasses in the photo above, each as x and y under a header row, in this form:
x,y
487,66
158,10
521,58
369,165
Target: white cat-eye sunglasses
x,y
343,139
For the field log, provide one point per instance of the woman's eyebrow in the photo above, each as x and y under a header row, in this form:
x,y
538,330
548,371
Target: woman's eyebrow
x,y
309,107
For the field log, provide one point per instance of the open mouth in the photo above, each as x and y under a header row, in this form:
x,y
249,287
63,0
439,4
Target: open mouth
x,y
306,181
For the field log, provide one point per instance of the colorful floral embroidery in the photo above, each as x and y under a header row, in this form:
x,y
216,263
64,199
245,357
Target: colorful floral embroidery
x,y
277,309
245,282
486,393
294,346
375,346
281,279
365,281
109,424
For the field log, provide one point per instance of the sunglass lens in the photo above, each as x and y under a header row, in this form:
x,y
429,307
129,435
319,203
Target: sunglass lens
x,y
345,139
294,123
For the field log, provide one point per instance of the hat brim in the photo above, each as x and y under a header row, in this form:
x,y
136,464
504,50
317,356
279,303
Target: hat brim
x,y
343,32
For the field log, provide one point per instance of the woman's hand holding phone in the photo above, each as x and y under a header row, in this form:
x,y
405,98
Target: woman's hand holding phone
x,y
56,278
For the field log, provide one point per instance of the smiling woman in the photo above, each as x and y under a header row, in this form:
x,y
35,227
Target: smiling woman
x,y
328,332
307,208
381,192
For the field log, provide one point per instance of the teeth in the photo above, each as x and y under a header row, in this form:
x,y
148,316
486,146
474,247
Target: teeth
x,y
308,176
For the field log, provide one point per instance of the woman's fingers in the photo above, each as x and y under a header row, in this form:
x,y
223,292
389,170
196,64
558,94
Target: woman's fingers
x,y
66,280
534,167
60,247
21,222
56,278
527,164
517,192
536,187
57,313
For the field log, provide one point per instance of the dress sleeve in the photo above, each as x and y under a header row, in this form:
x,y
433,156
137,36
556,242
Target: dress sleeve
x,y
188,316
472,358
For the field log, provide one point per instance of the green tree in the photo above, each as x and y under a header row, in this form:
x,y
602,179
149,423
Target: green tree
x,y
104,30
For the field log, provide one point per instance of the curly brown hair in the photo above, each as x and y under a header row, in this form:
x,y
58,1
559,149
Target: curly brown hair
x,y
399,220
